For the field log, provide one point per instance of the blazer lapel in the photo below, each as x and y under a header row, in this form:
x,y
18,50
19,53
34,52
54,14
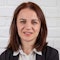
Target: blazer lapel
x,y
39,57
14,57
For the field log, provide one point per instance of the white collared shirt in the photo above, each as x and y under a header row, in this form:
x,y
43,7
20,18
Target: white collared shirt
x,y
24,56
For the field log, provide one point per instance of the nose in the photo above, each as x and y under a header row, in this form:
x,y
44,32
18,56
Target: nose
x,y
28,26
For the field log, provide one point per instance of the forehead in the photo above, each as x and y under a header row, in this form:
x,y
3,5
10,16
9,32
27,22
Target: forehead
x,y
27,13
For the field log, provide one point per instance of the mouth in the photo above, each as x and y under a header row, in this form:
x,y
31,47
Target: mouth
x,y
28,33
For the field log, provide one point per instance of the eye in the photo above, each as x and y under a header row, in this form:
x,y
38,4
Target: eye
x,y
22,21
34,22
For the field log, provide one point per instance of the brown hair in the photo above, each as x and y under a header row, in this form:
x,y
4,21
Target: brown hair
x,y
14,37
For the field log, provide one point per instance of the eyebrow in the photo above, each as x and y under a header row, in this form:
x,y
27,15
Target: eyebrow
x,y
36,19
22,19
31,19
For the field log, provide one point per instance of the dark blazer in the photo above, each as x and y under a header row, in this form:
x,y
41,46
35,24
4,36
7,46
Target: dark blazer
x,y
48,53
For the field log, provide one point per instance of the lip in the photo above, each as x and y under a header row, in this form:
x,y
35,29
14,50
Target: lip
x,y
28,33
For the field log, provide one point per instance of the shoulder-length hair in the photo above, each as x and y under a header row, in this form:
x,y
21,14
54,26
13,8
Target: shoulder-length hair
x,y
15,41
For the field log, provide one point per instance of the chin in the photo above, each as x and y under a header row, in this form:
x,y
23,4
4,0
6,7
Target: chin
x,y
28,40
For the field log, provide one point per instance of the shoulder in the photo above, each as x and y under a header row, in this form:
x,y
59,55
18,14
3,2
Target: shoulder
x,y
51,50
51,53
48,48
8,51
5,54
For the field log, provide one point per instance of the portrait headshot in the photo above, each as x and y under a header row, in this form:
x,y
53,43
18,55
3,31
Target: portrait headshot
x,y
28,35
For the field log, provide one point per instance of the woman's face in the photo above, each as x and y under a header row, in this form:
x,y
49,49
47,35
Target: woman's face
x,y
28,25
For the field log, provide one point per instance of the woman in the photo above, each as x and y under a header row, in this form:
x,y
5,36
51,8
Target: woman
x,y
28,33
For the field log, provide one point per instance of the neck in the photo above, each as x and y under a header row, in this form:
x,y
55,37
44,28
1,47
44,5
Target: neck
x,y
27,48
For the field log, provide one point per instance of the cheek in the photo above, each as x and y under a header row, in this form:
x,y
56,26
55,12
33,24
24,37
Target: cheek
x,y
37,29
20,28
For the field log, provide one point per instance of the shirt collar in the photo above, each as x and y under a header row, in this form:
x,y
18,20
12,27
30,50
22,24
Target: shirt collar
x,y
15,53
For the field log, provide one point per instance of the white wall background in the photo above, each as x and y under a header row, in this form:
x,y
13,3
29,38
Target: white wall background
x,y
51,9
